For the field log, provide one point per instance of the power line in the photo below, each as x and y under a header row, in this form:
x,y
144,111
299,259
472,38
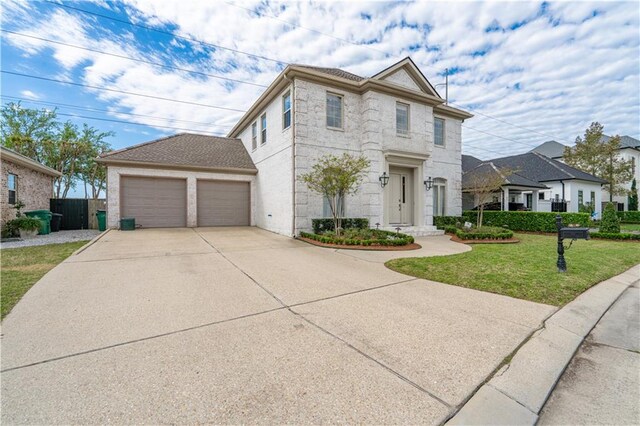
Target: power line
x,y
498,136
120,91
189,39
134,59
90,109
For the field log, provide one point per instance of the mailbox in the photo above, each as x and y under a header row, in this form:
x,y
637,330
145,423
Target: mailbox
x,y
575,233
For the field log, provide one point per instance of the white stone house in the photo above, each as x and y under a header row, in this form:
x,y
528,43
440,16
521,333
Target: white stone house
x,y
395,118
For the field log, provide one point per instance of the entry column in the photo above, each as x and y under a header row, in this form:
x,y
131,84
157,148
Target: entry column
x,y
192,202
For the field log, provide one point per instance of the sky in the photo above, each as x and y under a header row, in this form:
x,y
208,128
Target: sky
x,y
528,71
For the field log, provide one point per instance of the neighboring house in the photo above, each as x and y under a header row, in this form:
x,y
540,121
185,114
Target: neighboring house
x,y
629,150
25,180
396,119
536,181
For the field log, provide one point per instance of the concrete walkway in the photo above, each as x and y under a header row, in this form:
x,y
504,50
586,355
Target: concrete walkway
x,y
600,386
238,325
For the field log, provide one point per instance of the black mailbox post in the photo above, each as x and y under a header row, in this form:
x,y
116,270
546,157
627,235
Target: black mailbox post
x,y
571,233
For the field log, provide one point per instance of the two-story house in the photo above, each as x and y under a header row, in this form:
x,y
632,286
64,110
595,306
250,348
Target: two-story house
x,y
396,119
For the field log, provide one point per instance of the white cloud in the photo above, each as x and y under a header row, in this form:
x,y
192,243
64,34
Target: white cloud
x,y
30,95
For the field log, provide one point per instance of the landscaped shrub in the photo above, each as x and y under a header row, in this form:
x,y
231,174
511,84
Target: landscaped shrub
x,y
363,237
484,233
442,221
629,217
326,224
614,236
527,221
610,224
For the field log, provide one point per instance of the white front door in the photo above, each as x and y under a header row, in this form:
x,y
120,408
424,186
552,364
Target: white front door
x,y
400,201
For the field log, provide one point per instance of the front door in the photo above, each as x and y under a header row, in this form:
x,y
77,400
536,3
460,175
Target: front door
x,y
400,202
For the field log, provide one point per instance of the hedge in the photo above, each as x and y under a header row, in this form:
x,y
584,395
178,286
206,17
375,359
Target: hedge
x,y
527,221
402,239
326,224
441,222
629,217
620,236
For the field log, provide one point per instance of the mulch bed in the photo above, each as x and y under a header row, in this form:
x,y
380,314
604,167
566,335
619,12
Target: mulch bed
x,y
412,246
460,240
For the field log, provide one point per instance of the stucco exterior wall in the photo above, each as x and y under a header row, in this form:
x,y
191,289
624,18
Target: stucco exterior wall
x,y
113,189
34,189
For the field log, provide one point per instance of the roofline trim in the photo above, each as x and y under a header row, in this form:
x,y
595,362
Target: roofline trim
x,y
22,160
150,165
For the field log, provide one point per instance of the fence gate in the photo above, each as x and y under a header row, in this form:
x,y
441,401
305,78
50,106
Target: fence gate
x,y
74,211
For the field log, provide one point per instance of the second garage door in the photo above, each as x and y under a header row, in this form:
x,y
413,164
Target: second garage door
x,y
223,203
154,202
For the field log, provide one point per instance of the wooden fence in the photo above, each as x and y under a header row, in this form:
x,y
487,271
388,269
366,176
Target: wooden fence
x,y
94,206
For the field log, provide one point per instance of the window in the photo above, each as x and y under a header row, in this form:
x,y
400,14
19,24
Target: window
x,y
334,111
541,195
438,132
286,110
402,119
254,135
326,208
580,198
439,201
263,129
12,181
593,199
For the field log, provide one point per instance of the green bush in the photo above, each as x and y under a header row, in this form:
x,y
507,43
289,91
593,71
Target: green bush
x,y
484,233
442,221
527,221
614,236
610,224
629,217
326,224
24,222
366,237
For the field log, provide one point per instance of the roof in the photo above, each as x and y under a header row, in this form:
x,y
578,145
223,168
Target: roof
x,y
187,150
537,167
24,161
551,149
470,162
337,72
625,141
513,179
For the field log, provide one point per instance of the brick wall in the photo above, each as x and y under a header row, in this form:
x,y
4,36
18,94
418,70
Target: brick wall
x,y
34,189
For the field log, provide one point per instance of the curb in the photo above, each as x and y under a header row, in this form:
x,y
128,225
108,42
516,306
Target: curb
x,y
517,392
90,243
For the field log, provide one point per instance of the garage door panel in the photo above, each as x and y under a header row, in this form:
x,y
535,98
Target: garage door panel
x,y
223,203
154,202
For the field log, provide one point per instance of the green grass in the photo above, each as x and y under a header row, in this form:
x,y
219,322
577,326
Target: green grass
x,y
630,226
527,270
23,267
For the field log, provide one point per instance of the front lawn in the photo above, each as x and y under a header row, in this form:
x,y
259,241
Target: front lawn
x,y
527,270
23,267
630,227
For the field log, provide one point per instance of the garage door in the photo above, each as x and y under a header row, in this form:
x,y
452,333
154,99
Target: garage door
x,y
154,202
223,203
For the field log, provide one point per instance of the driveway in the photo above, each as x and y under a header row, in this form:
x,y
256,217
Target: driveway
x,y
239,325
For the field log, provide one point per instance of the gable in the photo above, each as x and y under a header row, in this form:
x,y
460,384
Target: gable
x,y
406,74
402,78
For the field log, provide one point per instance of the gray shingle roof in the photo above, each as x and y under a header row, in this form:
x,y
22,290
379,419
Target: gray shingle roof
x,y
334,71
189,150
514,179
470,162
551,149
539,168
625,141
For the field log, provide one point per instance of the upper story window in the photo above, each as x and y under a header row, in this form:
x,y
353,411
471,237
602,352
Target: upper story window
x,y
263,129
12,185
438,131
254,135
402,119
286,110
334,111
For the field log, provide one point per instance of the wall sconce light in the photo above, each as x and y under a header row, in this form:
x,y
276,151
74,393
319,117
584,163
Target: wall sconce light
x,y
428,183
384,179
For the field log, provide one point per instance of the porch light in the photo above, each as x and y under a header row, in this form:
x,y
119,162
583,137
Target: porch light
x,y
384,179
428,183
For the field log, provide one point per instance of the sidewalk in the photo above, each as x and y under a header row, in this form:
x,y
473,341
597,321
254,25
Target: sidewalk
x,y
601,328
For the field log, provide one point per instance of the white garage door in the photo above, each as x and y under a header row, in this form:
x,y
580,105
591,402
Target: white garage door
x,y
223,203
154,202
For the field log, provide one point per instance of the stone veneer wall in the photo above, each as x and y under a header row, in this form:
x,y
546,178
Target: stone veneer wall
x,y
34,189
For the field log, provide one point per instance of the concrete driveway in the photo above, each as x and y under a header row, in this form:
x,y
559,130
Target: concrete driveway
x,y
239,325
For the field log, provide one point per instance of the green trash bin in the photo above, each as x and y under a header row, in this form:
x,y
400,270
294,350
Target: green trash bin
x,y
102,220
128,224
45,219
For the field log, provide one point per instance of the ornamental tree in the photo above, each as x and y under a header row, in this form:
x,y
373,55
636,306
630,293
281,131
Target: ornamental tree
x,y
336,177
633,197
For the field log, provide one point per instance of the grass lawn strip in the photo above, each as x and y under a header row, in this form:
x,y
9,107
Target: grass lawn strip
x,y
527,270
23,267
629,227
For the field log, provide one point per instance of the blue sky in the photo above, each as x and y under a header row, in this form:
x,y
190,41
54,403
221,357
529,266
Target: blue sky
x,y
529,71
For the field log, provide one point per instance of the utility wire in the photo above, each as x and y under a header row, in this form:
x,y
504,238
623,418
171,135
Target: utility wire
x,y
498,136
120,91
146,27
133,59
91,109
